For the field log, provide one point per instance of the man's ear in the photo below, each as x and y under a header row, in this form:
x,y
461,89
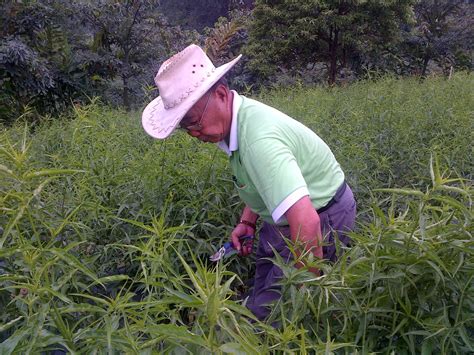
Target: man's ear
x,y
222,92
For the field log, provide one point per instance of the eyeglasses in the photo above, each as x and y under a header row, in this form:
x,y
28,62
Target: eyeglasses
x,y
196,126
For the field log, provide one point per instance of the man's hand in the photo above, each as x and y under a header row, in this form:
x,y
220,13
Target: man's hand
x,y
244,247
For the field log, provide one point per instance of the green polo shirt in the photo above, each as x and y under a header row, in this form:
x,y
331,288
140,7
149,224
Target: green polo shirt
x,y
276,160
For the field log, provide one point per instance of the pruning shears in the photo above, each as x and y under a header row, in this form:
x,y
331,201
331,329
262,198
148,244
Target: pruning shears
x,y
228,249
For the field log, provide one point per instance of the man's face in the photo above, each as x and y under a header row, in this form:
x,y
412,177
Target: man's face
x,y
209,119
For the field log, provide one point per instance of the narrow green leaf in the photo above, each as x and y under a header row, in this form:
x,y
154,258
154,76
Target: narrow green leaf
x,y
50,172
174,333
399,326
38,323
466,338
82,308
52,292
427,347
5,170
193,278
408,192
9,345
138,224
114,278
93,298
5,326
12,223
233,348
73,261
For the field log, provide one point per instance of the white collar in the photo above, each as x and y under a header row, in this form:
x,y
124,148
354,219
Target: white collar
x,y
233,138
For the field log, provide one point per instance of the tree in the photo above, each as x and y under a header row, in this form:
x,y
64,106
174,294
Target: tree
x,y
194,14
443,28
37,64
131,33
293,34
24,76
53,52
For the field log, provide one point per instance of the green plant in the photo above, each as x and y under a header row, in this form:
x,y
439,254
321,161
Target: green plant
x,y
105,234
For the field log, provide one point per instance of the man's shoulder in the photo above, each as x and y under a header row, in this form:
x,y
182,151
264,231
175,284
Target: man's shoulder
x,y
254,114
252,106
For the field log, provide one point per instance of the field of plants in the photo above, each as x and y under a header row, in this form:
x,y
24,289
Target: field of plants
x,y
106,234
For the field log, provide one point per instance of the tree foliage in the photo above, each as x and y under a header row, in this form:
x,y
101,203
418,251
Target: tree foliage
x,y
294,34
129,33
126,40
443,33
39,69
54,52
194,14
219,38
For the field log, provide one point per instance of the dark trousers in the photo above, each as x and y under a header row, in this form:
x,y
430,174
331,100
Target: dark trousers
x,y
336,220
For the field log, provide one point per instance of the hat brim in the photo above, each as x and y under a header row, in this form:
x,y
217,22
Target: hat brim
x,y
160,122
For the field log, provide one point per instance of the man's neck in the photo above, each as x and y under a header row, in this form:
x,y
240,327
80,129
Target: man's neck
x,y
230,107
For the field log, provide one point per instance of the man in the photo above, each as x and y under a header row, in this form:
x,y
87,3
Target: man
x,y
284,172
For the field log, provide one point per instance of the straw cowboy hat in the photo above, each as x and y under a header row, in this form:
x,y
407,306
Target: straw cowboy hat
x,y
182,80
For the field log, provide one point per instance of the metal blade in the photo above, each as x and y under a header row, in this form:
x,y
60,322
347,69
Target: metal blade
x,y
218,255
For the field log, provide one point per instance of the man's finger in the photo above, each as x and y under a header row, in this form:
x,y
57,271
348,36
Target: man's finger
x,y
236,243
248,246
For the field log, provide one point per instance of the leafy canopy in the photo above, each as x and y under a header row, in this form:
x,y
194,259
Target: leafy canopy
x,y
293,34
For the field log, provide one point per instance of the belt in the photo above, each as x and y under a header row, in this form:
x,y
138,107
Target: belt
x,y
337,196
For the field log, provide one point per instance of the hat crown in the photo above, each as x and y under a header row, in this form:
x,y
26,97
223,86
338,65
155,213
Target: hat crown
x,y
183,73
182,80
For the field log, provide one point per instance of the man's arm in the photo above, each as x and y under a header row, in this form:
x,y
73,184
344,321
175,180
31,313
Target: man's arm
x,y
244,229
248,215
305,226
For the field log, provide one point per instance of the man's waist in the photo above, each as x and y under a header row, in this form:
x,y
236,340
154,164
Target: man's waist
x,y
337,196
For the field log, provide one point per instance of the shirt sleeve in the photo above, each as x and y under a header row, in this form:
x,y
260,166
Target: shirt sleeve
x,y
273,169
295,196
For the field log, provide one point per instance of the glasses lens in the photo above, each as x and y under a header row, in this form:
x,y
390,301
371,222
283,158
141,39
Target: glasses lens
x,y
196,125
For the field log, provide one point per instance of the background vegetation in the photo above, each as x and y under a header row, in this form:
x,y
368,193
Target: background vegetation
x,y
54,53
106,233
